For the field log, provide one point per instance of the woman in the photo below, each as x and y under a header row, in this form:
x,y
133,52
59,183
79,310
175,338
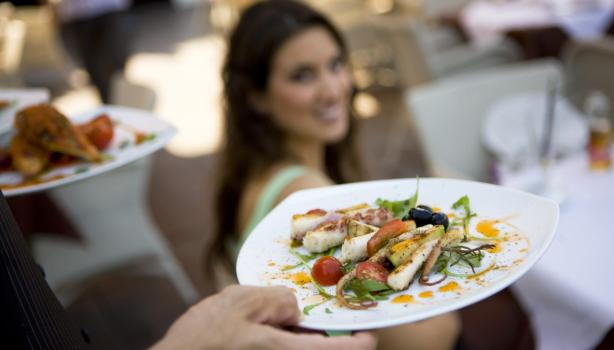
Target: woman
x,y
288,95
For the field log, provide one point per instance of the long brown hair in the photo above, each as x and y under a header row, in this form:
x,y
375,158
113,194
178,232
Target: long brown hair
x,y
253,141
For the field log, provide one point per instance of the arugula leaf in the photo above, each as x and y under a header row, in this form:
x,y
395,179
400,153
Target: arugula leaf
x,y
464,203
459,255
308,258
307,309
373,285
82,169
347,267
413,200
363,290
400,209
327,310
124,144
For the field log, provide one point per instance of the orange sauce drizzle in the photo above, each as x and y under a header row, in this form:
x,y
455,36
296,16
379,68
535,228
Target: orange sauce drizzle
x,y
487,228
300,278
483,271
496,249
450,287
426,294
403,299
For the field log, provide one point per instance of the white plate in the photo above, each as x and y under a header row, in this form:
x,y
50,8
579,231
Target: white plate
x,y
529,225
121,151
19,99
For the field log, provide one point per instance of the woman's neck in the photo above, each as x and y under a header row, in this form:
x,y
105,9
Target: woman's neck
x,y
308,153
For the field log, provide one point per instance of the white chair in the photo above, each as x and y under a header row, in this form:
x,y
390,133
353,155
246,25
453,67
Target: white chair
x,y
12,39
111,211
589,66
448,114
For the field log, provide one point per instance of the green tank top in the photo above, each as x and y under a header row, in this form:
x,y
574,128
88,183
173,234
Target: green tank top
x,y
265,203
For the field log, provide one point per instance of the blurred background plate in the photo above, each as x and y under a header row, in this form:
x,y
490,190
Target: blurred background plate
x,y
123,150
18,99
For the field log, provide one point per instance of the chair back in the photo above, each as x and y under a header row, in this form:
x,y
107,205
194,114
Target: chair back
x,y
12,39
589,66
449,113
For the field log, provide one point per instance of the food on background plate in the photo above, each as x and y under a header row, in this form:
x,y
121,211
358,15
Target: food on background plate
x,y
5,104
45,136
384,249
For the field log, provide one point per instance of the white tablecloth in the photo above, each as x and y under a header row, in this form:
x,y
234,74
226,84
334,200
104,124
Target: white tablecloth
x,y
569,294
487,21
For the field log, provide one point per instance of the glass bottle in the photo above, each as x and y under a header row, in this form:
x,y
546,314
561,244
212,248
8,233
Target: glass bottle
x,y
600,140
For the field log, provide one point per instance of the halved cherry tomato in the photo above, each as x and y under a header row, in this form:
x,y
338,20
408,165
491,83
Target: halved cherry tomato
x,y
371,271
98,131
390,230
327,271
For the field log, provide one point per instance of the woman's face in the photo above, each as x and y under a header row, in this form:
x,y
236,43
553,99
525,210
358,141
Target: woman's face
x,y
309,88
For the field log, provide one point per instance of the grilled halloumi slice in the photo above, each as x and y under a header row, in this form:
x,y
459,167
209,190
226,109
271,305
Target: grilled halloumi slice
x,y
355,249
302,223
403,275
325,237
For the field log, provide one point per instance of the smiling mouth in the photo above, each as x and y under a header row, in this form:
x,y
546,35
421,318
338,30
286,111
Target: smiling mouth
x,y
330,113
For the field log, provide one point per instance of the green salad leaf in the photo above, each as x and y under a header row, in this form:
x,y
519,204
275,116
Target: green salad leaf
x,y
465,204
364,289
400,209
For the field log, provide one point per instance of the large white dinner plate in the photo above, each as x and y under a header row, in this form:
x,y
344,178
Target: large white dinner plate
x,y
121,151
528,222
18,99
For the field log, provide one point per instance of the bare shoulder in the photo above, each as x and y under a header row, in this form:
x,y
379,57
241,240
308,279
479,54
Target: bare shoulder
x,y
311,179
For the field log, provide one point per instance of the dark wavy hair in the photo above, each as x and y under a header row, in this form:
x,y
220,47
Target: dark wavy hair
x,y
252,140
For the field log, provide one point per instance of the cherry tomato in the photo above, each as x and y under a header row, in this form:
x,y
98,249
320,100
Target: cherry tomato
x,y
98,131
327,271
386,232
372,271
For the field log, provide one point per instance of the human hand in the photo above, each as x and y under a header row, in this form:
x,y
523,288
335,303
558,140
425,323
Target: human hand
x,y
243,317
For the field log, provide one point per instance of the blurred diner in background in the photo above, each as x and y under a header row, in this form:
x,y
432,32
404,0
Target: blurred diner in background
x,y
518,93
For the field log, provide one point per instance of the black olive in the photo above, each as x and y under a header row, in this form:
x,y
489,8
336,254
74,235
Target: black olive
x,y
425,207
420,216
440,219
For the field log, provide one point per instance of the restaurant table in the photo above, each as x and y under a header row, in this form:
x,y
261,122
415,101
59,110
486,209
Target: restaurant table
x,y
569,293
540,28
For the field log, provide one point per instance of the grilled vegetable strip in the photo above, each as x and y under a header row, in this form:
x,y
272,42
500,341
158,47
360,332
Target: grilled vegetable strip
x,y
390,230
401,252
401,277
356,229
355,249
